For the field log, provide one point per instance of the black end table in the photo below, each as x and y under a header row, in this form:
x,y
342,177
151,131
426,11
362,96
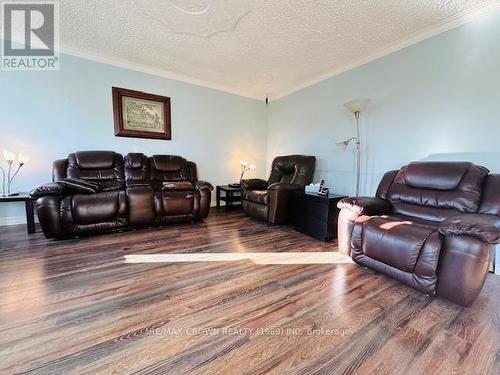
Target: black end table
x,y
231,195
29,206
317,215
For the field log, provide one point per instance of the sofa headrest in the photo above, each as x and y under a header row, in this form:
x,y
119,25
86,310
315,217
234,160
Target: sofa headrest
x,y
94,159
291,163
452,186
168,163
296,169
286,166
134,160
435,175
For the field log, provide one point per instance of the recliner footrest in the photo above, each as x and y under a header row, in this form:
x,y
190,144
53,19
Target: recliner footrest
x,y
399,248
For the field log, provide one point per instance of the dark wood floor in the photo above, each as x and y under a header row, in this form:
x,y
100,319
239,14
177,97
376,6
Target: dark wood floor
x,y
77,307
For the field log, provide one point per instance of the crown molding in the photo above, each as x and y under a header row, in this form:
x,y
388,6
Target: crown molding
x,y
428,32
445,25
121,63
125,64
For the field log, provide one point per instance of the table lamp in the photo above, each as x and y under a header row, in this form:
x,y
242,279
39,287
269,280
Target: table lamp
x,y
10,157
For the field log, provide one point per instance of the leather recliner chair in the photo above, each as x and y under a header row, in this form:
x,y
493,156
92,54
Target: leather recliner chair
x,y
271,200
432,225
132,191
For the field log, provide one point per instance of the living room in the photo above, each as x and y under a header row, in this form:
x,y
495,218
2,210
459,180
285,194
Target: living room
x,y
283,187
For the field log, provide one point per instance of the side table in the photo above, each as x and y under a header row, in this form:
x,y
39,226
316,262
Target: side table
x,y
231,195
317,215
29,206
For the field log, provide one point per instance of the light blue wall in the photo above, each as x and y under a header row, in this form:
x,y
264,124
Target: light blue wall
x,y
51,114
438,99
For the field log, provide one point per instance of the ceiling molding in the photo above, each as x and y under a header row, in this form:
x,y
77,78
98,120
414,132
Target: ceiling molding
x,y
121,63
426,33
438,28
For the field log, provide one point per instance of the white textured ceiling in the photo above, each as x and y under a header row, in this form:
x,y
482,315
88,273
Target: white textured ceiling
x,y
273,48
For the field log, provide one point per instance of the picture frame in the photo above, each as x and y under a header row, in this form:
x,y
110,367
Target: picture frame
x,y
141,115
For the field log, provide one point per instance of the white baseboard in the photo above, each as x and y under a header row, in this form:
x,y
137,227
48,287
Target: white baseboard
x,y
14,220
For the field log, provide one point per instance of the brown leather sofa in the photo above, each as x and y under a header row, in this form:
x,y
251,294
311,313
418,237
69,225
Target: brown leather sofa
x,y
271,200
432,226
132,191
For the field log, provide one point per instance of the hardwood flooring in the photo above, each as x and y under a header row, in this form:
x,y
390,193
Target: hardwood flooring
x,y
107,304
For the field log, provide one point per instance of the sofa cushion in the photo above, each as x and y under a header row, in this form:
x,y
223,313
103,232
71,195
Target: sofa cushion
x,y
295,169
94,159
420,184
434,175
168,168
178,202
399,247
103,167
168,163
395,242
256,196
96,208
136,167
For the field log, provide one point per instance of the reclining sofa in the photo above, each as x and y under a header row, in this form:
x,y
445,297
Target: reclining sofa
x,y
432,225
130,191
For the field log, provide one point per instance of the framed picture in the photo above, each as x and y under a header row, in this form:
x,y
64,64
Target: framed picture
x,y
141,115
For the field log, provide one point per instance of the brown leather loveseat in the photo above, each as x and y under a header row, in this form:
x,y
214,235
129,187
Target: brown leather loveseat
x,y
432,226
129,192
271,200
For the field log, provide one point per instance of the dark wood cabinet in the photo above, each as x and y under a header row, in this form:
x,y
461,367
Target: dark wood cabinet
x,y
317,215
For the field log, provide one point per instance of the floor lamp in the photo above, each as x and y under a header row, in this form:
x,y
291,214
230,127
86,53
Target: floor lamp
x,y
356,107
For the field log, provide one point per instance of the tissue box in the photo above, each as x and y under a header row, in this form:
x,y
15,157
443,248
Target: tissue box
x,y
313,188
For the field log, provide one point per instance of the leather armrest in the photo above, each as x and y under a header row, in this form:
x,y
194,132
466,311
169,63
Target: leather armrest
x,y
281,202
203,185
281,186
48,209
204,191
51,188
365,205
483,227
254,184
178,185
136,183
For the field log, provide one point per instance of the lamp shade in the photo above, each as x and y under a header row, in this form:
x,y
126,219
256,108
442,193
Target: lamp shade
x,y
8,155
23,157
357,105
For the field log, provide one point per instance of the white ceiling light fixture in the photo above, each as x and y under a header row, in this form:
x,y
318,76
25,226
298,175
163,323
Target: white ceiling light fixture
x,y
195,17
